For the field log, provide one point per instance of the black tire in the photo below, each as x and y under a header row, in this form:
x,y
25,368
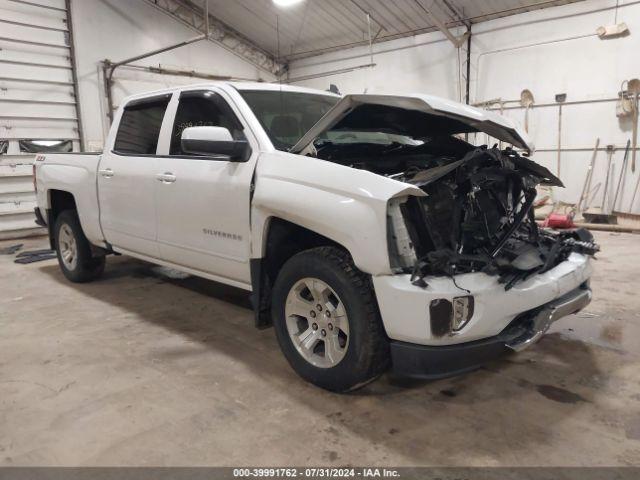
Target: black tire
x,y
86,267
367,352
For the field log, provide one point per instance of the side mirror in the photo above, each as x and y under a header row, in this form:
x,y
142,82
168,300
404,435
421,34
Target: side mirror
x,y
214,141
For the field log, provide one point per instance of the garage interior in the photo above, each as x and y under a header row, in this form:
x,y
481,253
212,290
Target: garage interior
x,y
152,367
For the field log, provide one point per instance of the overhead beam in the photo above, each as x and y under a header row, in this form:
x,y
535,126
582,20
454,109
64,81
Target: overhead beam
x,y
109,67
330,73
457,13
158,51
367,12
440,25
197,18
193,16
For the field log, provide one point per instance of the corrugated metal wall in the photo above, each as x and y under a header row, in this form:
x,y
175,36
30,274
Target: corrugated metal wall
x,y
37,100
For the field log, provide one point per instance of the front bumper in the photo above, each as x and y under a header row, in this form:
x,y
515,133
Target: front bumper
x,y
431,362
406,308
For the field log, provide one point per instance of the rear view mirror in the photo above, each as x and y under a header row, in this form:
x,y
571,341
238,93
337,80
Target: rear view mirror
x,y
214,141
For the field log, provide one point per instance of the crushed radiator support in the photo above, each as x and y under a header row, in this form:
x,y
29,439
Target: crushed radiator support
x,y
478,217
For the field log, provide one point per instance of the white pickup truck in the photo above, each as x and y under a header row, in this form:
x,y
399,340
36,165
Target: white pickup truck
x,y
369,231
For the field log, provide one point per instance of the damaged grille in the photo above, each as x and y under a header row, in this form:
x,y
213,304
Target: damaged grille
x,y
478,217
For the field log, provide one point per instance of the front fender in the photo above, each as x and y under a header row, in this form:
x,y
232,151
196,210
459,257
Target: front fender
x,y
346,205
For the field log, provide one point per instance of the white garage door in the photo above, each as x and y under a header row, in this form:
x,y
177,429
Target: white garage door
x,y
37,101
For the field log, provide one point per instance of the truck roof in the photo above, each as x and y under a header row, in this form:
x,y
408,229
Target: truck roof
x,y
277,86
236,85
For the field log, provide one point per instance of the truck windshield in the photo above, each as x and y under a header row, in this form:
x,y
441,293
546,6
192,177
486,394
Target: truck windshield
x,y
286,116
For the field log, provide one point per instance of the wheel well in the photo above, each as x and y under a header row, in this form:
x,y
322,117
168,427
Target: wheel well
x,y
283,240
59,201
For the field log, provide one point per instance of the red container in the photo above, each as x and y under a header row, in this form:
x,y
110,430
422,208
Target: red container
x,y
559,220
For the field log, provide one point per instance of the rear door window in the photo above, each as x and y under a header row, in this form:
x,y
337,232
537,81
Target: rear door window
x,y
139,127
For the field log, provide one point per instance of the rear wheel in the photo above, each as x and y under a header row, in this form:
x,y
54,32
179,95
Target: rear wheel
x,y
74,250
327,321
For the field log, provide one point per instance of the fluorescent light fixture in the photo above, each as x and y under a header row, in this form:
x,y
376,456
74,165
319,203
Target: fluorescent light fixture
x,y
611,31
47,143
286,3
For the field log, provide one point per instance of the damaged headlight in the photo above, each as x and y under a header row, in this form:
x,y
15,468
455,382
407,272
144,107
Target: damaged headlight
x,y
402,254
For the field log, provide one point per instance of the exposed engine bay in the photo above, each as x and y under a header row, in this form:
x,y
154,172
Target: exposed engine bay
x,y
477,215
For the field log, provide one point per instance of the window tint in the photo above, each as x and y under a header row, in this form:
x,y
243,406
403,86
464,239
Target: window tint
x,y
140,127
203,109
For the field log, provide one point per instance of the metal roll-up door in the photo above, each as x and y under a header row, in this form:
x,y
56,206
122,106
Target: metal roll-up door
x,y
38,110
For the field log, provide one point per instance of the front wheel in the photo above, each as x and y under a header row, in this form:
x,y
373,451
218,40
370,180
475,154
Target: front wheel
x,y
74,250
327,320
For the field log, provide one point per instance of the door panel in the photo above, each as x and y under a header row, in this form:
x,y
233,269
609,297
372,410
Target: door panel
x,y
126,190
127,178
203,215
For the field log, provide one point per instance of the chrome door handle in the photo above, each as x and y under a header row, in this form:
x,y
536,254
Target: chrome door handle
x,y
106,173
166,177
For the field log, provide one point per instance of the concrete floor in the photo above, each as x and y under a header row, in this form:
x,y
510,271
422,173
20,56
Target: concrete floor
x,y
142,369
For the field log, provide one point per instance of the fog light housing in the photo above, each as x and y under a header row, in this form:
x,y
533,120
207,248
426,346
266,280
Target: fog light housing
x,y
462,312
449,316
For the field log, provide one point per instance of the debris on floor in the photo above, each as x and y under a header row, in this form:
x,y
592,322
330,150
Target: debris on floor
x,y
11,249
32,256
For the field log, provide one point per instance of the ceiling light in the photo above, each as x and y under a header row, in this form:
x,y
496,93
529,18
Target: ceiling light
x,y
610,31
286,3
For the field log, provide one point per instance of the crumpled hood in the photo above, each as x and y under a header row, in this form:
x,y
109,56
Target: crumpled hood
x,y
415,115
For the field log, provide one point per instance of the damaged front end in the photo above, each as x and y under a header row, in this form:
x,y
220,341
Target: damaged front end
x,y
478,216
